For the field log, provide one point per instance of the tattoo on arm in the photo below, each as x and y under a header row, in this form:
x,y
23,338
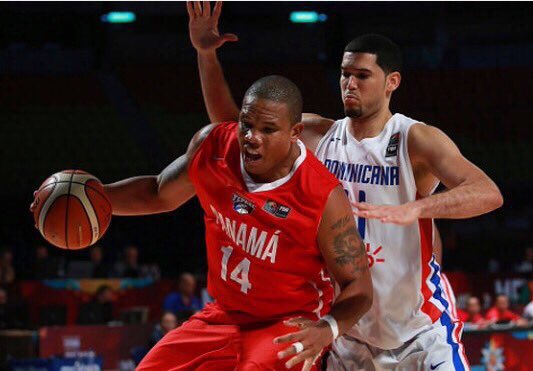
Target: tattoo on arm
x,y
349,248
342,222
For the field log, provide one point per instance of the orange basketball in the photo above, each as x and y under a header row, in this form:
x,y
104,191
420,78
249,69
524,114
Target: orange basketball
x,y
71,209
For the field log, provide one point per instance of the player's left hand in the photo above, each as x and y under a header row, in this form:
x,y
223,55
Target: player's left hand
x,y
314,336
405,214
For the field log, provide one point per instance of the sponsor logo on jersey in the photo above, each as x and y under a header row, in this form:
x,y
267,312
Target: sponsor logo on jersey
x,y
272,207
241,205
394,144
364,173
434,367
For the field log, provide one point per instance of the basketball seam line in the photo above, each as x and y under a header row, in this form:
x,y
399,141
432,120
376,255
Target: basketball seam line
x,y
46,216
87,215
95,212
83,184
66,212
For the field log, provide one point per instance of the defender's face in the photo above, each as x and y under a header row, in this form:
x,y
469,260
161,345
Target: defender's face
x,y
265,136
362,84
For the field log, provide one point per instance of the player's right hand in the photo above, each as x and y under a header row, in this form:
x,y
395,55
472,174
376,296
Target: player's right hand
x,y
203,26
314,336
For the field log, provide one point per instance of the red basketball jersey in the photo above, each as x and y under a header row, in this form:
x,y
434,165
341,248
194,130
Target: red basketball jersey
x,y
262,247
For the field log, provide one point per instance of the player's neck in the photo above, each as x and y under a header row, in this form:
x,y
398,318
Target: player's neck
x,y
369,126
282,170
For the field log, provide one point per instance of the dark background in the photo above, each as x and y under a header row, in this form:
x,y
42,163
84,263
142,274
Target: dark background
x,y
124,100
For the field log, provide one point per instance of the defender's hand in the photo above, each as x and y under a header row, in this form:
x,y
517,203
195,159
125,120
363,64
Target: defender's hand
x,y
402,214
203,26
313,336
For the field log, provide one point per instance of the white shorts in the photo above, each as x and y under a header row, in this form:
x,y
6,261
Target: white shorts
x,y
438,348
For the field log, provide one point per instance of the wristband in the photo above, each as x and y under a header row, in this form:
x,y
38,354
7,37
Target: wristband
x,y
332,322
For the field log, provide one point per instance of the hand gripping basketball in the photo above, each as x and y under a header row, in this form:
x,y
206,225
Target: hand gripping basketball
x,y
71,209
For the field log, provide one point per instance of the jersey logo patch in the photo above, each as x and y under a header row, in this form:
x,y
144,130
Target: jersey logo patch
x,y
242,205
394,144
281,211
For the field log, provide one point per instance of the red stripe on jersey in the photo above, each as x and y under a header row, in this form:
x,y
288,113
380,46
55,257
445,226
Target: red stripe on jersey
x,y
425,227
450,295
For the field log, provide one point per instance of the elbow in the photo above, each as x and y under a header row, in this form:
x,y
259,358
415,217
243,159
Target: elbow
x,y
368,298
496,199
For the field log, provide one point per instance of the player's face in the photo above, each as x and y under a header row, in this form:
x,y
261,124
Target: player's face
x,y
265,137
362,84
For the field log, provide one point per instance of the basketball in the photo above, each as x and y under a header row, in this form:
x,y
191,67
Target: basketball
x,y
71,209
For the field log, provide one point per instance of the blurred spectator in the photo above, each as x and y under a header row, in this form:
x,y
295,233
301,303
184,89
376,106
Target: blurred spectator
x,y
528,311
168,322
526,266
500,312
206,298
493,265
472,314
99,268
129,267
44,267
12,316
7,272
99,310
183,302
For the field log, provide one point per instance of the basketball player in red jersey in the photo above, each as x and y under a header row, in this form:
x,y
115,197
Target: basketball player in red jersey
x,y
276,222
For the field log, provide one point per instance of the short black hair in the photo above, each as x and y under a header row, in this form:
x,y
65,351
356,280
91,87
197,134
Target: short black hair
x,y
279,89
388,54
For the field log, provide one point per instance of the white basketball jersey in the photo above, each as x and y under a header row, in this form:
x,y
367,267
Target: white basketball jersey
x,y
406,278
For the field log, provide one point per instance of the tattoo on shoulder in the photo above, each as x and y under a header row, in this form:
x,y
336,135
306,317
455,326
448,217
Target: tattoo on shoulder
x,y
349,249
341,223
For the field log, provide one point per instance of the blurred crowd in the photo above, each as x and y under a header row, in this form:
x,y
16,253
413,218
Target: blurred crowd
x,y
499,313
45,266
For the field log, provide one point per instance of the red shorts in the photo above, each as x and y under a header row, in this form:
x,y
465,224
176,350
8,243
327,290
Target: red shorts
x,y
206,343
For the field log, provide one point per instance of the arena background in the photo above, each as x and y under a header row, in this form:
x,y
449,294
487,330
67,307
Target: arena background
x,y
119,100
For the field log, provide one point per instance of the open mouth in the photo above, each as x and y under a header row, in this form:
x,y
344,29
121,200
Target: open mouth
x,y
251,156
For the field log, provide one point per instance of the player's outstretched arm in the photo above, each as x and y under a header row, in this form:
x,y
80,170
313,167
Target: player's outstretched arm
x,y
470,191
345,256
157,193
206,39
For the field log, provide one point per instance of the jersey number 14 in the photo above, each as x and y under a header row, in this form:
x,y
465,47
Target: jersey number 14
x,y
239,274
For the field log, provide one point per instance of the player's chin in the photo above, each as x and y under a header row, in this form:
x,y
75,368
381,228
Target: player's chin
x,y
352,111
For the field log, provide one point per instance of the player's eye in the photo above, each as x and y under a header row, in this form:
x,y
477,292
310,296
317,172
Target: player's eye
x,y
363,76
345,74
268,130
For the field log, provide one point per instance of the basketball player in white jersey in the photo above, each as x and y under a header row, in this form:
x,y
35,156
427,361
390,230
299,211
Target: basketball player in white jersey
x,y
389,165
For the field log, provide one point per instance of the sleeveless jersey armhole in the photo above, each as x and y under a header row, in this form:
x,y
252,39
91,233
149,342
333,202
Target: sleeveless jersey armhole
x,y
435,186
332,128
202,144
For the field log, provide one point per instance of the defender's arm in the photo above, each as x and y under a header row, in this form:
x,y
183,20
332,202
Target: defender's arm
x,y
220,104
470,191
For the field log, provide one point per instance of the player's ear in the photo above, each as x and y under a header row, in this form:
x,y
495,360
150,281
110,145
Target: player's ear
x,y
393,81
296,131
